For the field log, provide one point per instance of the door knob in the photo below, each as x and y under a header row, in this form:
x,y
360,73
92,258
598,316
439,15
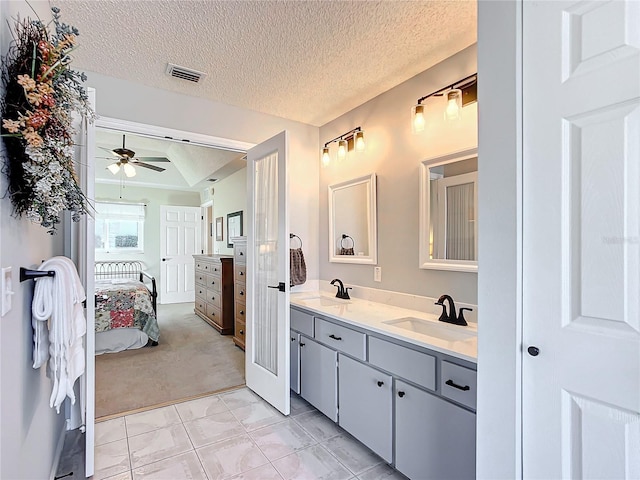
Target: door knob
x,y
401,394
380,383
533,351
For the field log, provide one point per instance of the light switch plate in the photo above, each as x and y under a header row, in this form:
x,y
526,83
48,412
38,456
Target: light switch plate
x,y
377,274
6,290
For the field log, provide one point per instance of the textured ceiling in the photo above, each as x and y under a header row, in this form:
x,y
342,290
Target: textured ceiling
x,y
309,61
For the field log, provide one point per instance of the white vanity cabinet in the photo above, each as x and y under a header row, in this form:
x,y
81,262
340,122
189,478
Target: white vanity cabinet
x,y
434,439
319,376
366,405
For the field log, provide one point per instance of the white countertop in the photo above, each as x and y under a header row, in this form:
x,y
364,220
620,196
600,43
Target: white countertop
x,y
462,342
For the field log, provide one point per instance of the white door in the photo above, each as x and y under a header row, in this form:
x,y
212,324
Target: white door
x,y
179,240
581,241
267,339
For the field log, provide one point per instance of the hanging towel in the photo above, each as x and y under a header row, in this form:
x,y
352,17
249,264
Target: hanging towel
x,y
298,267
57,307
346,251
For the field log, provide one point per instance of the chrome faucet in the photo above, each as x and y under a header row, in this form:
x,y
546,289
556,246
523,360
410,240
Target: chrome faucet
x,y
451,317
342,292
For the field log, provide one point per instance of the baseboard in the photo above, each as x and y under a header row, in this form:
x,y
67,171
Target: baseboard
x,y
58,453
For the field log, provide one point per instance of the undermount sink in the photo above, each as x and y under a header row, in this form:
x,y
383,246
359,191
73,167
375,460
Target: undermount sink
x,y
324,301
449,333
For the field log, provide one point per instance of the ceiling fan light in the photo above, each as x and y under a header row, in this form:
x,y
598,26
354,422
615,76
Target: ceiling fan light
x,y
114,168
129,171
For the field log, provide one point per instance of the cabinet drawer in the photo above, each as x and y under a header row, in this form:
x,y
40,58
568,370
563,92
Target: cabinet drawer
x,y
213,282
200,305
240,253
214,298
410,364
201,291
213,313
461,386
240,273
241,312
201,278
302,322
341,338
240,292
216,268
240,330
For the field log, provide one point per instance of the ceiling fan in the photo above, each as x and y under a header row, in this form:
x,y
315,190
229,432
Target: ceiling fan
x,y
127,159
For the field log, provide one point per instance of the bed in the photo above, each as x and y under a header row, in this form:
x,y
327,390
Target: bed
x,y
125,315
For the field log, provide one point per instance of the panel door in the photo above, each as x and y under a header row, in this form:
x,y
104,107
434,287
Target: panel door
x,y
180,239
434,438
581,247
319,376
365,398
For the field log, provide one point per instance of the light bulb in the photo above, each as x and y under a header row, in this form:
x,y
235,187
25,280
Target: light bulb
x,y
453,110
342,150
114,168
129,171
359,141
418,121
326,159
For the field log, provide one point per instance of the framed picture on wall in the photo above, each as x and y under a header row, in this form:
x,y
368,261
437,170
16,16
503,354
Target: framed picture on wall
x,y
234,226
219,231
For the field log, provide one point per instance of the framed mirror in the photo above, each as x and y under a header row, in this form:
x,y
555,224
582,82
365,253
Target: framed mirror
x,y
352,221
449,212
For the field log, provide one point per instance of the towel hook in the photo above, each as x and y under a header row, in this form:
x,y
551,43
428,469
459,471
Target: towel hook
x,y
26,274
293,235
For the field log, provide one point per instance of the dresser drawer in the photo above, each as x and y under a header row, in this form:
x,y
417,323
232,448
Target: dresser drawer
x,y
458,383
241,312
201,291
240,273
240,253
213,282
341,338
200,265
214,297
301,322
240,292
213,314
215,268
201,278
240,331
410,364
200,305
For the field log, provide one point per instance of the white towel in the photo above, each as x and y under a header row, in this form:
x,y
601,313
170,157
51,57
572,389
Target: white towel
x,y
57,302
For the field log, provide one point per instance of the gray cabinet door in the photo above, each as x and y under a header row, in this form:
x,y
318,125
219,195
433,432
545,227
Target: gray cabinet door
x,y
294,365
319,376
365,399
434,438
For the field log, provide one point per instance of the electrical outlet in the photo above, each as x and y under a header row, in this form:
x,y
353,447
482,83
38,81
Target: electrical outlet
x,y
377,274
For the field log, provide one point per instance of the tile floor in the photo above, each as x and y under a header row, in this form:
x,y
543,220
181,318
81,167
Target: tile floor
x,y
232,435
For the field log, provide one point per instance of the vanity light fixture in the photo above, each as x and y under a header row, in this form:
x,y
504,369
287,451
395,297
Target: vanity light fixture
x,y
353,139
458,94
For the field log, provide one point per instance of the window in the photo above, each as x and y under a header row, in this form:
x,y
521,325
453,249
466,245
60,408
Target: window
x,y
119,227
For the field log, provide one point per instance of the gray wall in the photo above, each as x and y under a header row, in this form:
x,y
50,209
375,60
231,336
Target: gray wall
x,y
230,196
153,198
30,428
394,154
499,285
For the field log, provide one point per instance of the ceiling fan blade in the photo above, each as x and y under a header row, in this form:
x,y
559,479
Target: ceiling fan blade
x,y
153,159
146,165
108,150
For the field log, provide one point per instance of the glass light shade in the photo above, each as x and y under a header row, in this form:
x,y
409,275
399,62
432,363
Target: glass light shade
x,y
129,171
359,139
417,119
326,159
114,168
342,150
453,110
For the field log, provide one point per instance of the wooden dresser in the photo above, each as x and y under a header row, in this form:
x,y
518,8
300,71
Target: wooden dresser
x,y
240,276
214,291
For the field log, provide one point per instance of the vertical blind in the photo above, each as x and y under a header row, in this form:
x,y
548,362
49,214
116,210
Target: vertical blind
x,y
460,236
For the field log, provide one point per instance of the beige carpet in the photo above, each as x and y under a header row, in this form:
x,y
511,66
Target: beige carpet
x,y
191,359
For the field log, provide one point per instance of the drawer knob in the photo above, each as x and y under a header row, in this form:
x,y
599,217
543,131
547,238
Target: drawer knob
x,y
380,383
401,394
533,351
241,332
241,292
455,385
241,253
293,339
302,344
334,337
212,282
241,312
213,298
241,273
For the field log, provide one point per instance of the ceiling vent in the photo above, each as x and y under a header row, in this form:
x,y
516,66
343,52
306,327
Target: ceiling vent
x,y
185,73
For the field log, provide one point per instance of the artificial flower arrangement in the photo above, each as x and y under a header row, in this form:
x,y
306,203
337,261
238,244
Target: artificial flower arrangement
x,y
41,92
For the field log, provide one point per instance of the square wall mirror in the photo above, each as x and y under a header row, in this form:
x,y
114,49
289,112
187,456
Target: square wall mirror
x,y
449,212
352,221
